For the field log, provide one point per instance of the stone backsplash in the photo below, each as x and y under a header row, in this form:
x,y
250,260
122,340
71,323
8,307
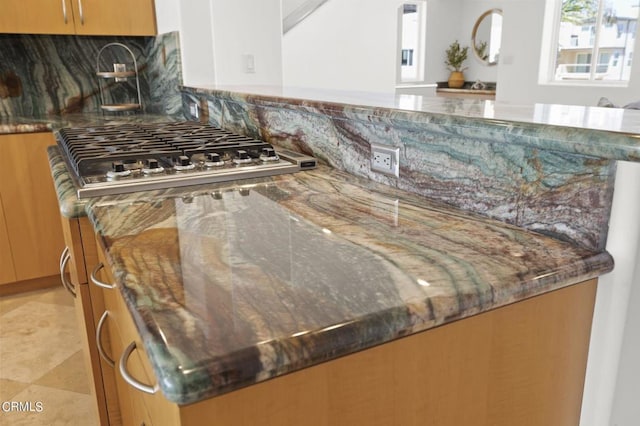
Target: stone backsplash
x,y
43,75
467,163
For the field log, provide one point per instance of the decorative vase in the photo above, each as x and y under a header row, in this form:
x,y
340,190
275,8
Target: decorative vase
x,y
456,79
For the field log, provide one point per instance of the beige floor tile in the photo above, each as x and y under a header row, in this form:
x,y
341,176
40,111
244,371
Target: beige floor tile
x,y
10,388
70,375
56,295
35,338
58,407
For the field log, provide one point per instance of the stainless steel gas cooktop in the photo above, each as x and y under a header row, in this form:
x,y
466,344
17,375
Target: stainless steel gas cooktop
x,y
115,159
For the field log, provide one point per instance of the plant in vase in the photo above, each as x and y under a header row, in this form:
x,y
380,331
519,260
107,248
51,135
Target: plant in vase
x,y
456,55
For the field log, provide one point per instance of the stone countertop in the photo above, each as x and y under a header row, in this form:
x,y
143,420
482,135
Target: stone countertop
x,y
231,284
23,125
54,122
609,133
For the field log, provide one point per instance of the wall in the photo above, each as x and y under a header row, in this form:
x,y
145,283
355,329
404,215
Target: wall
x,y
217,34
471,11
358,52
346,44
249,27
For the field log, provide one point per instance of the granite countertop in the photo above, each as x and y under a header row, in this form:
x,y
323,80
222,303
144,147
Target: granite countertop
x,y
10,125
231,284
611,133
51,123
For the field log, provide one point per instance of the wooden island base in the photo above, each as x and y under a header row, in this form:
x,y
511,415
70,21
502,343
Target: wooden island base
x,y
522,364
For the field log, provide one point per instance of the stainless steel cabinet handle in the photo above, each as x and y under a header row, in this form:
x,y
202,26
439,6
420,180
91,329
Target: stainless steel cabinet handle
x,y
81,13
64,260
127,377
64,10
101,351
96,281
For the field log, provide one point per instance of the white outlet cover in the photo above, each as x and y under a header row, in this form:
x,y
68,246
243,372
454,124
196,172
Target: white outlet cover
x,y
390,156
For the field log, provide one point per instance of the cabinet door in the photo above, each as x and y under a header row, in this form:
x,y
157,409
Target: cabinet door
x,y
114,17
129,399
30,205
36,17
7,272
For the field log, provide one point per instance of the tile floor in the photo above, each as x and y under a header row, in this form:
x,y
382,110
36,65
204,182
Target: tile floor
x,y
41,361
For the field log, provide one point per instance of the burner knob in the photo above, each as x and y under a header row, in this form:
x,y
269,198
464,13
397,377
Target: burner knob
x,y
117,166
268,152
152,163
213,157
183,160
244,191
242,155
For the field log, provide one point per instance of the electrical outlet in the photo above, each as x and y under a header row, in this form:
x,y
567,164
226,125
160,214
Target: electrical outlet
x,y
194,110
384,159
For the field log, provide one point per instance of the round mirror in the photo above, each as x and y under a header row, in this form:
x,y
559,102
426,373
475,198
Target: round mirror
x,y
486,36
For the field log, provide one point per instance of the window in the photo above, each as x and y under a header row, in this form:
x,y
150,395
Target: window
x,y
590,38
412,29
407,57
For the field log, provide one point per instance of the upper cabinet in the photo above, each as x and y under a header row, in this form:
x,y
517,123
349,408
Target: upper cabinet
x,y
114,17
37,17
83,17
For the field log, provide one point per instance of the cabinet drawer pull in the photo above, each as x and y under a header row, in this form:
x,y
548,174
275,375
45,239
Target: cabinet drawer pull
x,y
127,377
64,11
96,281
64,260
81,12
101,351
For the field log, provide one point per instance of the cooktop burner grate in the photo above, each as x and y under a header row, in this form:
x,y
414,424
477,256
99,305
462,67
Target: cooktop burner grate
x,y
87,146
114,159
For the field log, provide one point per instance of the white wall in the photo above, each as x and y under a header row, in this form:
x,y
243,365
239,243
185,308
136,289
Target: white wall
x,y
471,11
216,36
247,27
616,329
345,44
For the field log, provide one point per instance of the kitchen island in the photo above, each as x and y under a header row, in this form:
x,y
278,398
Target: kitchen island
x,y
326,297
229,285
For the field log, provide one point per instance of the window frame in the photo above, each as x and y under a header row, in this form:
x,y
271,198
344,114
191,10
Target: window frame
x,y
550,41
419,54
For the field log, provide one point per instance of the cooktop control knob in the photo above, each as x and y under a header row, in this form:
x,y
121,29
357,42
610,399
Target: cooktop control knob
x,y
269,154
242,157
213,159
151,166
117,171
118,166
183,163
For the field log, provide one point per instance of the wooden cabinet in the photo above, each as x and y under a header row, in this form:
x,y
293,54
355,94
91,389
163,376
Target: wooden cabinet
x,y
37,17
117,17
83,17
115,333
31,236
7,271
82,254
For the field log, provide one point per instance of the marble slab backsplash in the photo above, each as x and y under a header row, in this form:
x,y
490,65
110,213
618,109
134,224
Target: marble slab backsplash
x,y
461,162
43,75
